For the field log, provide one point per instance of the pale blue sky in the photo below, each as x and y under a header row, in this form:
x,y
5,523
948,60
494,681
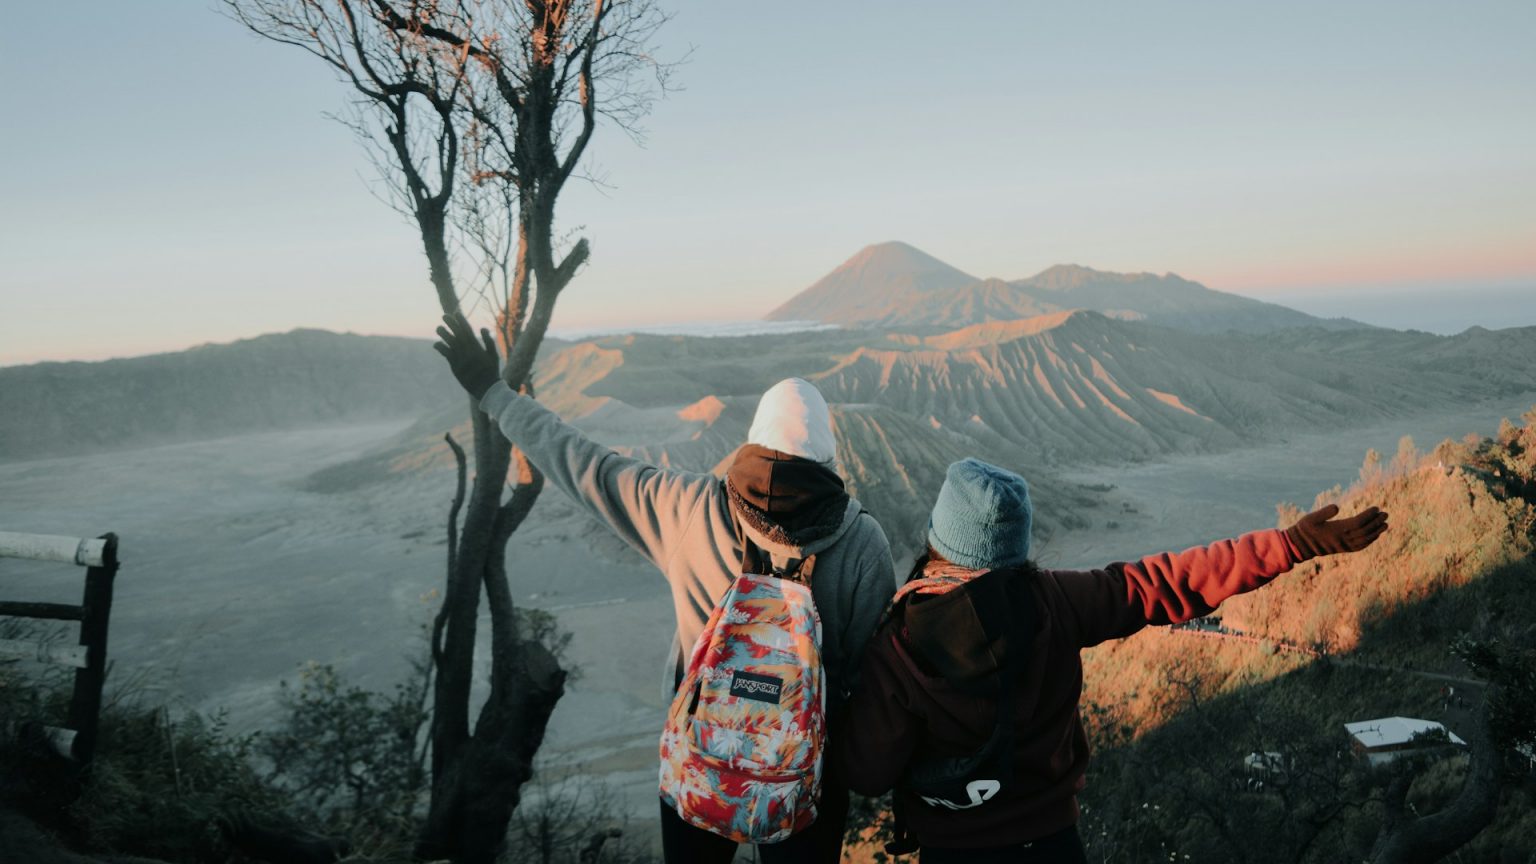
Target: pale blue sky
x,y
168,179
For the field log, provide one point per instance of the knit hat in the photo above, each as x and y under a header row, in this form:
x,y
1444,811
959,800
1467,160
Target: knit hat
x,y
793,418
982,518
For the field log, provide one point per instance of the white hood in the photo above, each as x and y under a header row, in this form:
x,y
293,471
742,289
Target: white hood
x,y
793,418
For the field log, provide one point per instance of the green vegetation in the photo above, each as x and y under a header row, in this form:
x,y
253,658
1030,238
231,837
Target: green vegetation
x,y
341,778
160,786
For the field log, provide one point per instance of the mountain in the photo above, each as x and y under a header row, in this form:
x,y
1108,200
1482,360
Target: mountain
x,y
1169,300
978,302
1083,387
278,381
1503,356
893,285
1036,394
861,288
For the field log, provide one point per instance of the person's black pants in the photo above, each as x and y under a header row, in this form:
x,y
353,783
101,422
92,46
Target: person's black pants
x,y
821,843
1063,847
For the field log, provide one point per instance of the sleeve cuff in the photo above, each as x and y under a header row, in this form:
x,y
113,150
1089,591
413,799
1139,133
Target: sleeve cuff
x,y
497,398
1290,547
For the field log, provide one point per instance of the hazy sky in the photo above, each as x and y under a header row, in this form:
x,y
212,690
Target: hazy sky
x,y
167,179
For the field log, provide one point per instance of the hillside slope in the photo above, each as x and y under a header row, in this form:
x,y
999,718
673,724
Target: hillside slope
x,y
1505,357
277,381
1457,560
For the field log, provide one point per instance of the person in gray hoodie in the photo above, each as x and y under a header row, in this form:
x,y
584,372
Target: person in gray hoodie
x,y
781,502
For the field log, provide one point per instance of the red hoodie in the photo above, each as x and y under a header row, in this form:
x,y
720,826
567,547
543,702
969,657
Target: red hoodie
x,y
901,712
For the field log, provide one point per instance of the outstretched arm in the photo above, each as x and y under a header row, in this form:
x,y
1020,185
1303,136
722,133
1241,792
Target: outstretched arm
x,y
646,506
1172,588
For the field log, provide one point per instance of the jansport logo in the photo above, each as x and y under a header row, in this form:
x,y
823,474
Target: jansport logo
x,y
762,688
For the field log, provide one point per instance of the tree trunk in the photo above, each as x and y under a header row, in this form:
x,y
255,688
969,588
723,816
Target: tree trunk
x,y
499,759
477,776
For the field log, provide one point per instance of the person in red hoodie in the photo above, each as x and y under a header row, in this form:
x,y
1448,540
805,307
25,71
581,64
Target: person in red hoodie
x,y
968,698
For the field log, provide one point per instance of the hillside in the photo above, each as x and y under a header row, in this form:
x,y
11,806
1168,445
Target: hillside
x,y
278,381
1459,513
1458,559
1498,356
893,285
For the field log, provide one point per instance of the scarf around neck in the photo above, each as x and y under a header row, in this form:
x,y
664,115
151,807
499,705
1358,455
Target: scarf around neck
x,y
790,500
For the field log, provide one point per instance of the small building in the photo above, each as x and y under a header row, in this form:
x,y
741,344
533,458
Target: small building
x,y
1260,767
1388,738
1265,764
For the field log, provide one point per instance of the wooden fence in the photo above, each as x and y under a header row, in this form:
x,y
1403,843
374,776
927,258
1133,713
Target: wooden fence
x,y
77,738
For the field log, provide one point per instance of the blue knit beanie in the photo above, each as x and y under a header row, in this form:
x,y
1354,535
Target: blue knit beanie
x,y
982,518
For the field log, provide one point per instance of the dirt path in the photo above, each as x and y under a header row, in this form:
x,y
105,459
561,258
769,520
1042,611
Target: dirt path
x,y
1336,659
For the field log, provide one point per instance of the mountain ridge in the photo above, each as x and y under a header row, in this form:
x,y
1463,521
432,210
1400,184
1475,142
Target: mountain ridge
x,y
905,298
275,381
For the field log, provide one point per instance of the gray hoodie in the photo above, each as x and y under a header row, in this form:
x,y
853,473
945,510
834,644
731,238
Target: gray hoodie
x,y
681,522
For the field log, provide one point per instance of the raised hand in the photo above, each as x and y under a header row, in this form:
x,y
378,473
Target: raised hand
x,y
474,362
1318,533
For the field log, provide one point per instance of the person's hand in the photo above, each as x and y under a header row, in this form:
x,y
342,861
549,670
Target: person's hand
x,y
1318,533
474,362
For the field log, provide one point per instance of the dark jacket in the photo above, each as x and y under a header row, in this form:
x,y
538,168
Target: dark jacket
x,y
905,711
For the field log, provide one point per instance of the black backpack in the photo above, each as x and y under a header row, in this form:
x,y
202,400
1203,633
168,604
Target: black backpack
x,y
998,606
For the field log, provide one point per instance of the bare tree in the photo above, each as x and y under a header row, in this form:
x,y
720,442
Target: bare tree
x,y
478,113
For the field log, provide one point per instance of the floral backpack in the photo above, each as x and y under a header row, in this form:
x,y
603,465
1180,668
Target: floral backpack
x,y
742,748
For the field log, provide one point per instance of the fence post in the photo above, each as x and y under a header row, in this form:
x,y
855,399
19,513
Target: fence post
x,y
85,706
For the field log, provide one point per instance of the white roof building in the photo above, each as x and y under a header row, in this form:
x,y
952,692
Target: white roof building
x,y
1387,738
